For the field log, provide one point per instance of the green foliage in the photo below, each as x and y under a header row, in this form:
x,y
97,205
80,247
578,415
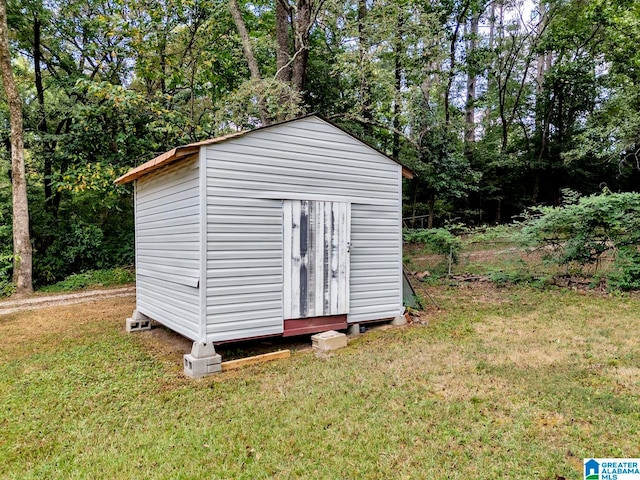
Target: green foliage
x,y
6,239
503,233
626,272
76,246
93,278
6,285
436,240
582,232
241,108
519,276
442,169
502,278
121,81
86,235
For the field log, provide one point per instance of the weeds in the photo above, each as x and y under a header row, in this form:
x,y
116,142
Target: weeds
x,y
93,278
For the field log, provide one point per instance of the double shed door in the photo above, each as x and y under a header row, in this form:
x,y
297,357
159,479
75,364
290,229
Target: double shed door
x,y
317,243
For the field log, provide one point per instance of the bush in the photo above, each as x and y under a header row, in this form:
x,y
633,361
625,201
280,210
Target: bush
x,y
6,246
77,246
93,278
582,232
84,235
6,266
504,233
626,273
436,240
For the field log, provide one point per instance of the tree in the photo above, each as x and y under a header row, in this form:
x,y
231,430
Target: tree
x,y
247,48
22,251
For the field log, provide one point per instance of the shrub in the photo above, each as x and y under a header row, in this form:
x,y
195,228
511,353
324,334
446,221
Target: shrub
x,y
436,240
92,278
6,248
84,235
77,246
626,272
582,232
6,285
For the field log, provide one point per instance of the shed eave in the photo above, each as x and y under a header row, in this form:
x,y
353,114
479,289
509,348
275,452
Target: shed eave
x,y
171,156
166,158
407,173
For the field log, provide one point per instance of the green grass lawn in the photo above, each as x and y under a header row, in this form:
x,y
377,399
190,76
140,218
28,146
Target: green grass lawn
x,y
501,383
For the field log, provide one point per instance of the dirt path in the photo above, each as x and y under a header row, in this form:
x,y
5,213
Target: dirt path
x,y
37,302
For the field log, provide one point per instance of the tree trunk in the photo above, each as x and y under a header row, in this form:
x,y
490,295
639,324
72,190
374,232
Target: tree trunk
x,y
540,65
535,194
22,264
48,146
398,83
425,86
301,44
492,25
365,89
452,61
283,59
244,38
432,209
248,54
414,203
490,80
470,121
43,127
162,56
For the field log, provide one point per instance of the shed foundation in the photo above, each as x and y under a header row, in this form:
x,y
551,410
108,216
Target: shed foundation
x,y
354,330
202,361
138,322
330,340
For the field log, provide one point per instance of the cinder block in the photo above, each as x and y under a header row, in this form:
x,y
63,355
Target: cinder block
x,y
137,325
330,340
202,350
136,315
201,367
354,329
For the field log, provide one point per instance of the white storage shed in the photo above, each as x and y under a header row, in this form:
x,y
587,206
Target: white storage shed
x,y
287,229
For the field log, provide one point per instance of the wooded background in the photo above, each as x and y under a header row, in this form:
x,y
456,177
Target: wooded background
x,y
497,105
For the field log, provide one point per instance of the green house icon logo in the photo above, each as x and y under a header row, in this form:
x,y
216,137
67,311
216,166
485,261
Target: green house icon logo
x,y
591,470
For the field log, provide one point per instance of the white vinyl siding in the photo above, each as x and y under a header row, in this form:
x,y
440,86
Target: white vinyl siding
x,y
244,267
167,247
376,261
304,160
248,177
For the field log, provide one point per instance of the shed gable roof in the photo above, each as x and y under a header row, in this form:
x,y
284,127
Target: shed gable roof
x,y
179,153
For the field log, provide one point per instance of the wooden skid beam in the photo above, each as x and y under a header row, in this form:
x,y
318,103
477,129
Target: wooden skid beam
x,y
265,357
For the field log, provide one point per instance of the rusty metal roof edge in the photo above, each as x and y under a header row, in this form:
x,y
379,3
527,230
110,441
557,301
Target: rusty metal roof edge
x,y
170,157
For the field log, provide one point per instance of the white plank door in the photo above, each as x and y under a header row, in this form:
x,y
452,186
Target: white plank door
x,y
317,241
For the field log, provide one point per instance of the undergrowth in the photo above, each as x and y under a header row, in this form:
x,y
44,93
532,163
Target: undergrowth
x,y
93,278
